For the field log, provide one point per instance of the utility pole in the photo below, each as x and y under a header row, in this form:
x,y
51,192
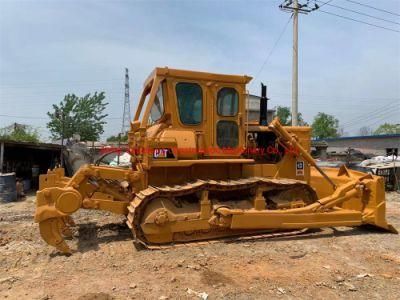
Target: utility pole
x,y
295,8
295,75
126,117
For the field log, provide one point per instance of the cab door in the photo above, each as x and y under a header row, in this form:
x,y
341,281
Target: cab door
x,y
228,106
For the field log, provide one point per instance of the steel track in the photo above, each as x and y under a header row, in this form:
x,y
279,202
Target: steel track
x,y
139,203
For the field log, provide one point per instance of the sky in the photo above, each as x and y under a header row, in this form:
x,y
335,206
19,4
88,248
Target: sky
x,y
52,48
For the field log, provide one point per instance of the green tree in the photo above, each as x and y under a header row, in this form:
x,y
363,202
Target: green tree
x,y
115,138
19,133
388,128
81,115
325,126
283,113
285,116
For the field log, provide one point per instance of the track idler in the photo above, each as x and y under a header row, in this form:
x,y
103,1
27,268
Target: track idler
x,y
53,208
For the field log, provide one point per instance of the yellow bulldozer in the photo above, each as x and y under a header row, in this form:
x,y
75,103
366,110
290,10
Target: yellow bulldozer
x,y
201,170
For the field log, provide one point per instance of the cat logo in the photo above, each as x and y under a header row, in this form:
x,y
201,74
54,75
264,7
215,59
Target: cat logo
x,y
163,153
160,153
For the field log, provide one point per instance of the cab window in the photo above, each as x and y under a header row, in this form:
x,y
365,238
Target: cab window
x,y
145,103
190,102
227,134
228,102
157,110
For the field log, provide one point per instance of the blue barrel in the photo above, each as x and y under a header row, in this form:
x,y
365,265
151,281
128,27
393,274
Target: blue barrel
x,y
8,188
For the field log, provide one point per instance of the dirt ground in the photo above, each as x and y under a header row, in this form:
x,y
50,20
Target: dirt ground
x,y
339,263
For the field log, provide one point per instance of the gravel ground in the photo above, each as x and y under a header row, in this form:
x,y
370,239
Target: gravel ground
x,y
338,263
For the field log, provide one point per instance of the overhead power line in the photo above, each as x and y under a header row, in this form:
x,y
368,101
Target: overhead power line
x,y
44,118
325,3
372,7
25,117
338,98
359,21
62,83
382,118
369,115
367,119
360,13
44,96
363,117
272,49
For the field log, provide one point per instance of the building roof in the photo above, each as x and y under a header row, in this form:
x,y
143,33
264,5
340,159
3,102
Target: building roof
x,y
31,145
381,136
254,103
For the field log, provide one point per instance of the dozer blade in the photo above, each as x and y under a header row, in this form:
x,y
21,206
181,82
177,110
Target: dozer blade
x,y
51,231
370,202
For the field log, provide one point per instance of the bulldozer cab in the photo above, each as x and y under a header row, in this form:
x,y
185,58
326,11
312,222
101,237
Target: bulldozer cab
x,y
187,118
202,113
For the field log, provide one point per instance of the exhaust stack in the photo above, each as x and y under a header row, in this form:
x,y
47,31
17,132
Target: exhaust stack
x,y
263,106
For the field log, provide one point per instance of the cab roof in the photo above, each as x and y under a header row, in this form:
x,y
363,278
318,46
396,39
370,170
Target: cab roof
x,y
195,75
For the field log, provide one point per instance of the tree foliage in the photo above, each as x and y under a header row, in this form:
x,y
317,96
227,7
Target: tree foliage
x,y
283,113
78,115
19,133
325,126
388,128
285,116
115,138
